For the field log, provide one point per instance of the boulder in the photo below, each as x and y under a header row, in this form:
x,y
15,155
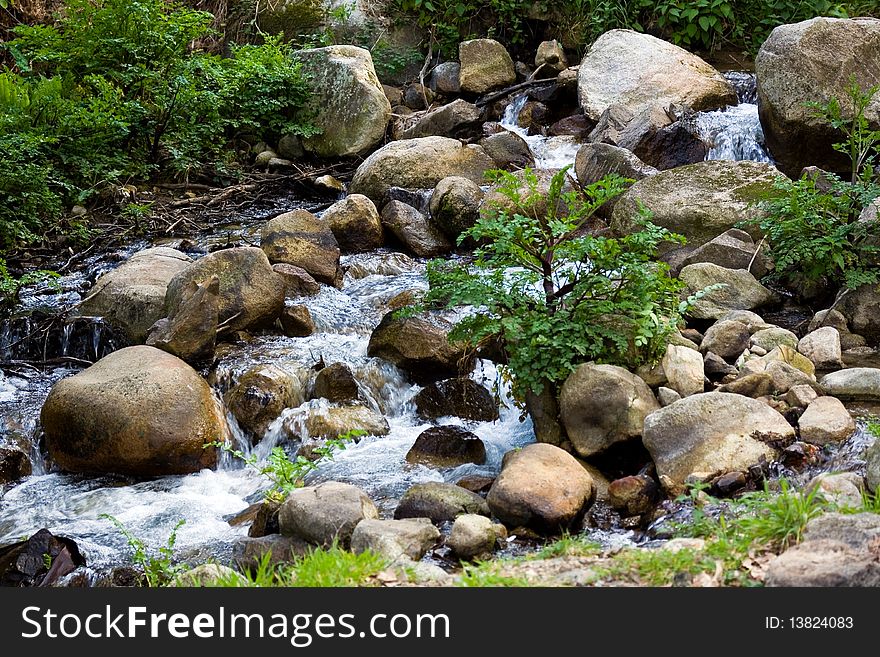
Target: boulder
x,y
354,222
596,160
455,205
785,354
474,535
639,71
460,397
753,320
414,230
300,238
446,78
822,346
290,147
485,65
716,367
856,383
813,61
419,345
733,249
770,338
447,447
459,119
417,96
248,552
297,322
842,490
440,502
684,370
251,294
633,495
418,164
191,332
139,411
600,405
739,290
508,150
297,281
261,394
825,421
699,201
132,296
576,125
14,465
392,539
861,308
872,467
325,513
712,432
726,338
800,396
323,422
348,104
667,396
541,487
550,55
829,317
661,142
858,530
823,563
336,384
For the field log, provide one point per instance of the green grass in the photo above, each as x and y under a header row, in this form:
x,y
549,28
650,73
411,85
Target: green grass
x,y
569,546
486,574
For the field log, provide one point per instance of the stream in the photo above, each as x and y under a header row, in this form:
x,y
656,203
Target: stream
x,y
73,505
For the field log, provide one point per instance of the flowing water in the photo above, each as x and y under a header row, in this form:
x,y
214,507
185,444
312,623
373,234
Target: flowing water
x,y
734,133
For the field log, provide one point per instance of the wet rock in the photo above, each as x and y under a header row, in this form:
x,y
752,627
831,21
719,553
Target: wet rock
x,y
132,296
329,184
336,383
23,564
862,311
476,483
699,201
474,535
813,61
633,495
485,65
826,420
347,101
664,146
596,160
577,126
712,432
551,56
715,366
857,383
460,397
300,238
639,71
726,338
603,404
261,394
858,530
541,487
393,539
14,465
739,290
418,164
297,322
459,119
440,502
611,124
729,483
823,563
447,447
534,116
800,395
872,467
248,553
840,489
251,294
325,513
419,345
822,346
334,421
297,281
508,150
265,520
139,411
455,205
446,78
354,222
190,332
414,230
770,338
733,249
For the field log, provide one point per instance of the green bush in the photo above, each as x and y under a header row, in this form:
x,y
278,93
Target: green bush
x,y
554,296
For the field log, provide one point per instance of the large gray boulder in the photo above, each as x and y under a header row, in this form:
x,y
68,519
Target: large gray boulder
x,y
139,411
190,333
355,223
856,383
459,119
603,404
349,106
299,238
712,433
325,513
826,420
540,486
640,71
251,293
824,563
418,164
416,232
262,393
733,249
861,308
455,205
699,201
738,290
439,501
410,538
813,61
132,296
485,65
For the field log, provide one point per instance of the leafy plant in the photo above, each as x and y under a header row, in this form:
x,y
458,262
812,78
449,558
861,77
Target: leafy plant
x,y
11,286
779,519
333,566
158,568
287,474
553,296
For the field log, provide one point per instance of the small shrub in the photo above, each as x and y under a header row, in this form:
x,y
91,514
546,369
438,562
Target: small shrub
x,y
159,568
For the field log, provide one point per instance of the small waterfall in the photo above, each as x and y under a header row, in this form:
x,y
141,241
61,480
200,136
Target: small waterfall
x,y
549,152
